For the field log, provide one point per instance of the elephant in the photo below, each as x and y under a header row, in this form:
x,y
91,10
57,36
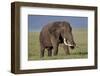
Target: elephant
x,y
53,34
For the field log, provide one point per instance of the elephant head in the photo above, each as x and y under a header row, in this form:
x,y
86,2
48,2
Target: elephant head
x,y
63,32
67,35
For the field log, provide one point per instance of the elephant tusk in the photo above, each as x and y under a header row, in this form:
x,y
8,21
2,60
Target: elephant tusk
x,y
67,43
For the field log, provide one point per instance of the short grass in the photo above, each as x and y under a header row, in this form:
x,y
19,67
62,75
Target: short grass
x,y
80,37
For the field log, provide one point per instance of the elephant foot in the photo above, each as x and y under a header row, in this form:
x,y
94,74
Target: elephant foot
x,y
55,54
49,54
68,53
41,56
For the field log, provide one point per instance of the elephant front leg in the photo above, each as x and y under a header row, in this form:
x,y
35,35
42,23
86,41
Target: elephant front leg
x,y
66,49
55,50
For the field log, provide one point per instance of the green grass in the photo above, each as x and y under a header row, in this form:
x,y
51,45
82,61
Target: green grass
x,y
80,37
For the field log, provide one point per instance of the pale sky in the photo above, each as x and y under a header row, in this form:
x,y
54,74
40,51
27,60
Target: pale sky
x,y
36,22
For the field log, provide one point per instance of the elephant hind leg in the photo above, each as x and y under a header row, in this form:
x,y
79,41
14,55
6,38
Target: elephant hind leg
x,y
66,49
49,51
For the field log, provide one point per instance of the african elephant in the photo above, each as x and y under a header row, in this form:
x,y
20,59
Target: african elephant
x,y
53,34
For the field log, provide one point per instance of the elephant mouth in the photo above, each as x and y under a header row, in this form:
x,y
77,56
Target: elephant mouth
x,y
67,43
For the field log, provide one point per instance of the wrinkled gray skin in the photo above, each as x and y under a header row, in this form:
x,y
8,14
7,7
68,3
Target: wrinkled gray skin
x,y
54,34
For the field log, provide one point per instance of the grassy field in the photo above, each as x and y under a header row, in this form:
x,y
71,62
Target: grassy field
x,y
80,37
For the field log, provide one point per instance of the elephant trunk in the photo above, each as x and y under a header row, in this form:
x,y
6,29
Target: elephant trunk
x,y
67,43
